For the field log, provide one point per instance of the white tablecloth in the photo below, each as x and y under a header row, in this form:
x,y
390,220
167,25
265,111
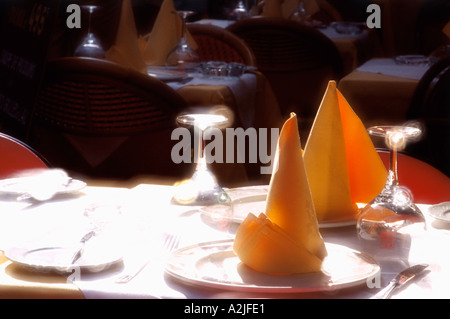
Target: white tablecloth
x,y
147,215
389,67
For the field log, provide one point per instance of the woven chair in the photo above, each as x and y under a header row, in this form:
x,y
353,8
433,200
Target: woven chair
x,y
218,44
297,60
431,106
427,184
96,118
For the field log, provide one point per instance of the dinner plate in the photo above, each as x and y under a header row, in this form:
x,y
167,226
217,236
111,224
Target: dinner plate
x,y
58,258
412,59
348,27
14,186
441,212
214,265
165,74
252,199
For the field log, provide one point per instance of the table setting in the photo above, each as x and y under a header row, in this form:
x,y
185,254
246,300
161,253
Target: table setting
x,y
324,227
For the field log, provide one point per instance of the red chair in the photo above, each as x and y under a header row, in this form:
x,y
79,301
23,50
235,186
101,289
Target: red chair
x,y
428,184
16,155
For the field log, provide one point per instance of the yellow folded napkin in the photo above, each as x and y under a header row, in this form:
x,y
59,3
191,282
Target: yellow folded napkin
x,y
272,8
286,238
341,162
126,51
165,35
446,30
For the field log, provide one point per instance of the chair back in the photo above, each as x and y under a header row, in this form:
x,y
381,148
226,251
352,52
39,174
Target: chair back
x,y
297,60
100,119
15,155
427,184
218,44
431,106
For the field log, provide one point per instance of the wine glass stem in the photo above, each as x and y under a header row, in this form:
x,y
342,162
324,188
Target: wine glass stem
x,y
393,165
183,28
201,160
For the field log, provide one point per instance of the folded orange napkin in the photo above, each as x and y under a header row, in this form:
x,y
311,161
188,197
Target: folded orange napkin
x,y
272,8
446,29
165,35
286,238
341,162
126,51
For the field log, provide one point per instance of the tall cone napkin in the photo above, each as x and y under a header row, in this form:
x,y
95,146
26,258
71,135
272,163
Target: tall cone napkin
x,y
165,35
126,50
341,162
286,239
272,8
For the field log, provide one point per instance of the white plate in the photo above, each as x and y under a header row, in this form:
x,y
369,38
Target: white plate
x,y
252,199
58,258
165,74
214,265
413,59
441,212
14,186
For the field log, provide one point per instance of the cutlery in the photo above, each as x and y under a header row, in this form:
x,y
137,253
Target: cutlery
x,y
399,280
171,242
77,255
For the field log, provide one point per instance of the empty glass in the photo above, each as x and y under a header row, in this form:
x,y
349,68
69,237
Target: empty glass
x,y
202,188
382,223
183,56
90,46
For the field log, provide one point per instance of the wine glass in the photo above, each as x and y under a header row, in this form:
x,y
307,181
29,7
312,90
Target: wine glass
x,y
90,46
382,222
239,12
202,188
183,56
301,15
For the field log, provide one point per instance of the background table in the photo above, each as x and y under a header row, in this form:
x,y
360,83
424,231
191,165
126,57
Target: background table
x,y
380,91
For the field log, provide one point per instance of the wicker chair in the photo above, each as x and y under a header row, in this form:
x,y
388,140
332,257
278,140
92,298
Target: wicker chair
x,y
297,60
16,156
431,106
90,107
218,44
427,184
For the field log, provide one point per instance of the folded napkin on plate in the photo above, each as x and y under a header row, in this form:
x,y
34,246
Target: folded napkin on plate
x,y
126,51
284,9
286,238
165,35
341,162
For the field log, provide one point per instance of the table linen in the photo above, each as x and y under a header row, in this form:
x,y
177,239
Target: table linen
x,y
150,213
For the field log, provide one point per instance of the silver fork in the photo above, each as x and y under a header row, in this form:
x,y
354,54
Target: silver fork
x,y
171,242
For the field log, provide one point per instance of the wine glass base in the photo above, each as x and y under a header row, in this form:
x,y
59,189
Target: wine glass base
x,y
200,190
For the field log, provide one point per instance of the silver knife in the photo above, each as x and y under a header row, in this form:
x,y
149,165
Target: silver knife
x,y
82,243
399,280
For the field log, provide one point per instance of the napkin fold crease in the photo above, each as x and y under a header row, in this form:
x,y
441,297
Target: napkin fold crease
x,y
341,161
286,239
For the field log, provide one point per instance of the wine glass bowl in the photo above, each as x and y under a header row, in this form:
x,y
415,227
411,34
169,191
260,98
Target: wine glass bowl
x,y
394,207
183,56
202,188
90,46
239,12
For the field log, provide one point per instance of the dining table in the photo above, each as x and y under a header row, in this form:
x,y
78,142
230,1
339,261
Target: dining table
x,y
381,90
181,248
355,47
